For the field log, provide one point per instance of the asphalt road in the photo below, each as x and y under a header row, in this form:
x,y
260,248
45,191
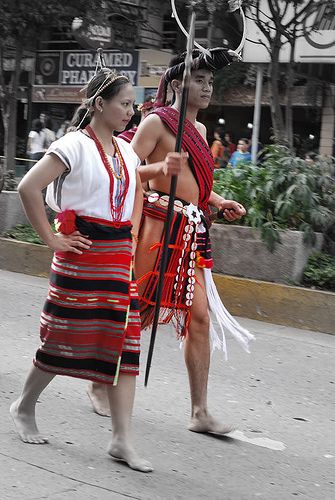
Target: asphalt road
x,y
281,396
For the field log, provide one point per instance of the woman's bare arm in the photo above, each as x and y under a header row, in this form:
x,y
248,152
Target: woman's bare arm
x,y
30,188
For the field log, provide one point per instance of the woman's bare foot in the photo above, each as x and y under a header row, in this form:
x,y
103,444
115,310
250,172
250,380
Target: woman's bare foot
x,y
203,422
99,399
26,425
126,453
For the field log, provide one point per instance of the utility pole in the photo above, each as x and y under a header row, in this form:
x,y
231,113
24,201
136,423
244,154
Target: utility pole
x,y
257,113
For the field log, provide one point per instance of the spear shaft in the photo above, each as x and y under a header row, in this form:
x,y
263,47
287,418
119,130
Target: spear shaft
x,y
172,194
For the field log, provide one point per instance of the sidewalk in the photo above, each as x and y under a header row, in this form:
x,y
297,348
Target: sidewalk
x,y
282,396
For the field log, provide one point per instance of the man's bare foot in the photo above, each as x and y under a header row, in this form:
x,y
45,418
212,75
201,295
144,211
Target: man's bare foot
x,y
203,422
126,453
26,426
99,399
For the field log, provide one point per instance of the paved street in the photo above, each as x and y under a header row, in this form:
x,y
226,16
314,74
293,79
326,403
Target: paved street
x,y
281,396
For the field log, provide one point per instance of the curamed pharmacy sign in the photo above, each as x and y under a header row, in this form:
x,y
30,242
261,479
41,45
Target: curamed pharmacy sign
x,y
76,68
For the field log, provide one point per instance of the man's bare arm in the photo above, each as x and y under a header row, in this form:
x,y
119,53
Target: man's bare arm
x,y
146,139
144,143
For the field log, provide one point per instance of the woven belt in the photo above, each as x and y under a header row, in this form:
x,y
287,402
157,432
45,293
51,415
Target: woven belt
x,y
187,209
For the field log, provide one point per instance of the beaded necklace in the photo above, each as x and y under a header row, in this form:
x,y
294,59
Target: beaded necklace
x,y
121,177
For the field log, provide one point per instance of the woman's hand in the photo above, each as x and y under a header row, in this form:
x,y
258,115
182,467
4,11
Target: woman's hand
x,y
73,242
174,162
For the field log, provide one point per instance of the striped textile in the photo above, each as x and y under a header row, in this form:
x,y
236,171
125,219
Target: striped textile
x,y
90,324
128,135
200,156
187,249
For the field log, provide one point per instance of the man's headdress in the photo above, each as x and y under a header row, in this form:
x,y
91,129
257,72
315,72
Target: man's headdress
x,y
212,60
146,105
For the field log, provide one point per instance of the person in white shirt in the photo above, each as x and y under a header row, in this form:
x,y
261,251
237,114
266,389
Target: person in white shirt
x,y
36,146
90,324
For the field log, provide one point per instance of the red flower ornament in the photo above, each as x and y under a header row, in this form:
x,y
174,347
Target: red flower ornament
x,y
65,222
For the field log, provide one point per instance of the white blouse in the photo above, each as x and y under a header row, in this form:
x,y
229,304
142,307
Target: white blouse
x,y
84,185
37,141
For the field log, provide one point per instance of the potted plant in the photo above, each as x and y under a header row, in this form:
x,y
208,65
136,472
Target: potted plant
x,y
290,204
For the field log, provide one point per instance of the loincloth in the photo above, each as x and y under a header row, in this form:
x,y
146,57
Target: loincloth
x,y
189,247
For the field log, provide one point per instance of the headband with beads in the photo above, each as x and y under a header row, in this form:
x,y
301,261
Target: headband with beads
x,y
111,77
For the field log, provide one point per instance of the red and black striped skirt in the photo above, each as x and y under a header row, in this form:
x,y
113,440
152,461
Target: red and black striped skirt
x,y
90,323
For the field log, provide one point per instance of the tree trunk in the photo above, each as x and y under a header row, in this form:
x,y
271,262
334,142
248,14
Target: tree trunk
x,y
276,110
10,117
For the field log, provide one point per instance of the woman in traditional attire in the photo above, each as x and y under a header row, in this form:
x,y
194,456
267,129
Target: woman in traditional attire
x,y
90,325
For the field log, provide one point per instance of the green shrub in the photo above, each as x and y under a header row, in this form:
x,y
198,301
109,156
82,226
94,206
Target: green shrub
x,y
320,271
24,232
283,192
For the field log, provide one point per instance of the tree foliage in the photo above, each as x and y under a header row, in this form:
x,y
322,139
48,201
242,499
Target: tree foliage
x,y
21,24
282,22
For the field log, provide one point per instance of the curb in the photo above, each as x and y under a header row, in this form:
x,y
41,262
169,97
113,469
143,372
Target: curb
x,y
280,304
261,300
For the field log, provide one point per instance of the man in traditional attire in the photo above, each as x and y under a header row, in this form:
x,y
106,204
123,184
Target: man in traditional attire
x,y
189,293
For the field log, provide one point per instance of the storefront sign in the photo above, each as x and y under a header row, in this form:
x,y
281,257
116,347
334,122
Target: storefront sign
x,y
77,67
93,33
56,93
47,68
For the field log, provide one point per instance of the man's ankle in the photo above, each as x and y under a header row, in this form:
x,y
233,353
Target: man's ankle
x,y
199,412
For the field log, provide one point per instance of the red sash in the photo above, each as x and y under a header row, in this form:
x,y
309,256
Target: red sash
x,y
200,156
128,135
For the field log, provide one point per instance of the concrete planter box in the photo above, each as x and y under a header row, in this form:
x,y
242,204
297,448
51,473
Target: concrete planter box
x,y
22,257
11,211
239,251
259,300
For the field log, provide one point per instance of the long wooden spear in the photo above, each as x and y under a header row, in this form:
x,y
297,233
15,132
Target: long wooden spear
x,y
173,186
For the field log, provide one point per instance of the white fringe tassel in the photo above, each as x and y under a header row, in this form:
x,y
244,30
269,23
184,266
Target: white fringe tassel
x,y
223,319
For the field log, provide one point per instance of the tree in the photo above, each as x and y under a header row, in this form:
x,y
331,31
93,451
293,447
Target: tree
x,y
20,26
282,22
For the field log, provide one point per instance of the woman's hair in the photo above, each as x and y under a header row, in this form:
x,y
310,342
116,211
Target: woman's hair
x,y
79,118
37,125
220,131
106,84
